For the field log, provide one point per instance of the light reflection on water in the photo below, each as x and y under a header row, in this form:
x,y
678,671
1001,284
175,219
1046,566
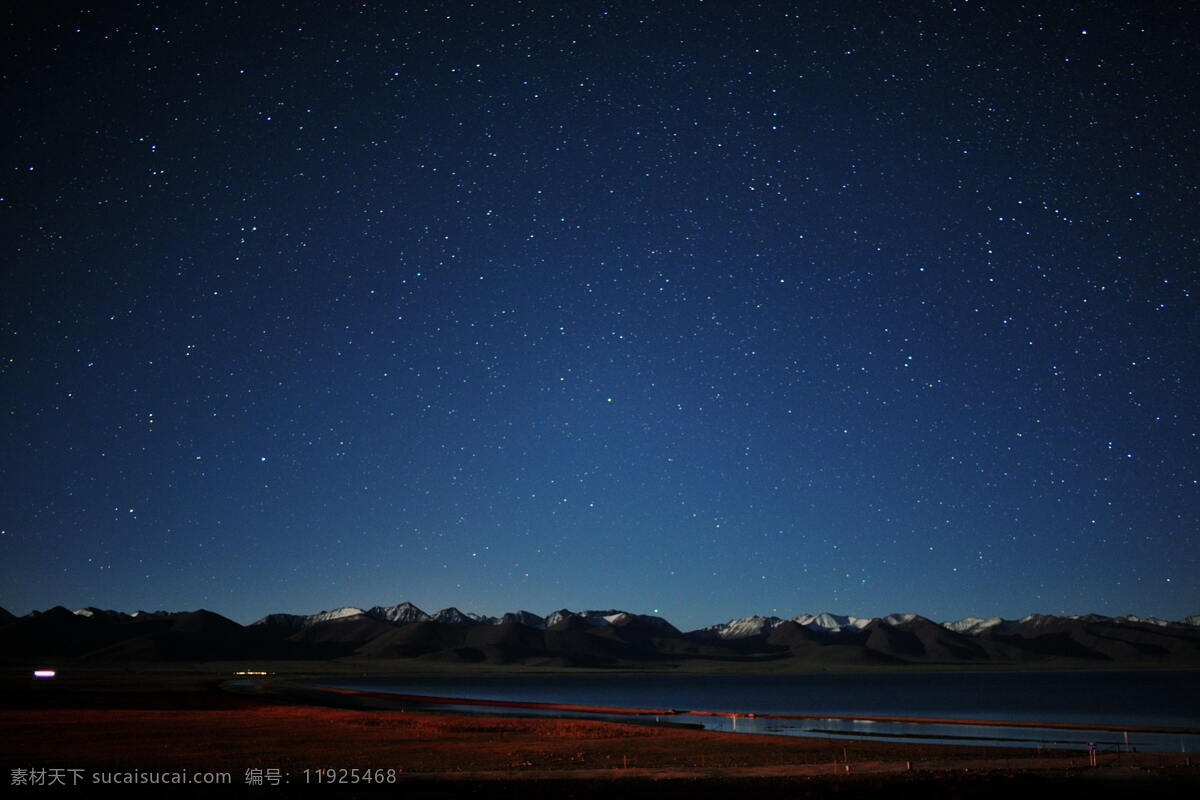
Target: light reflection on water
x,y
931,733
983,735
1135,698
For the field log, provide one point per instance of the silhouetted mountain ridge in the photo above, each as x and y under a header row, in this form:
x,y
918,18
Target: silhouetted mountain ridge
x,y
598,638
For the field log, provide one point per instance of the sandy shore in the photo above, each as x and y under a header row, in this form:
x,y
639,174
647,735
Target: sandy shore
x,y
195,727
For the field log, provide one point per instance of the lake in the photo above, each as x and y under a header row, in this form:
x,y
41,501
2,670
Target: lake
x,y
1134,698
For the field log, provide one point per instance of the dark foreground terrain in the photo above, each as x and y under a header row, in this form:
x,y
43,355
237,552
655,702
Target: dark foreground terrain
x,y
124,726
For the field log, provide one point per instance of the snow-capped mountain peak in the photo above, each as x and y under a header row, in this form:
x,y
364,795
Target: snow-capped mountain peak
x,y
555,617
452,616
336,613
527,618
972,626
756,625
91,612
298,621
401,614
1162,623
744,628
832,622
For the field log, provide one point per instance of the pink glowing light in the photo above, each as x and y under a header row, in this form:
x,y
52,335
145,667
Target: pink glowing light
x,y
44,673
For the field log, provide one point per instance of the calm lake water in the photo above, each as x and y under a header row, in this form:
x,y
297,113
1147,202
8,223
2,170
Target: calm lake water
x,y
1169,698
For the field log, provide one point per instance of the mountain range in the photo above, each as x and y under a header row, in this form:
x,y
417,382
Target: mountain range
x,y
611,638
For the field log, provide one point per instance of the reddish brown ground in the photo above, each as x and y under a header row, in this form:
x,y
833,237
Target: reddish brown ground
x,y
214,731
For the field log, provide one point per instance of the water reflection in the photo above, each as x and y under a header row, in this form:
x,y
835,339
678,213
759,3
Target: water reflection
x,y
916,707
1105,741
940,733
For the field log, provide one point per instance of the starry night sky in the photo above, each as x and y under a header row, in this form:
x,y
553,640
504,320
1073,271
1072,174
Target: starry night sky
x,y
701,309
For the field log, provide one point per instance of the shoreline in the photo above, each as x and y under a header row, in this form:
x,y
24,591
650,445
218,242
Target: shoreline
x,y
367,697
144,724
435,700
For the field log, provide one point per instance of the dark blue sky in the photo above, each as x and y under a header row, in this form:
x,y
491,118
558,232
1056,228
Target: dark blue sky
x,y
693,308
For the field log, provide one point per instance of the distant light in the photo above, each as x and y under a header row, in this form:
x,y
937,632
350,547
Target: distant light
x,y
44,673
